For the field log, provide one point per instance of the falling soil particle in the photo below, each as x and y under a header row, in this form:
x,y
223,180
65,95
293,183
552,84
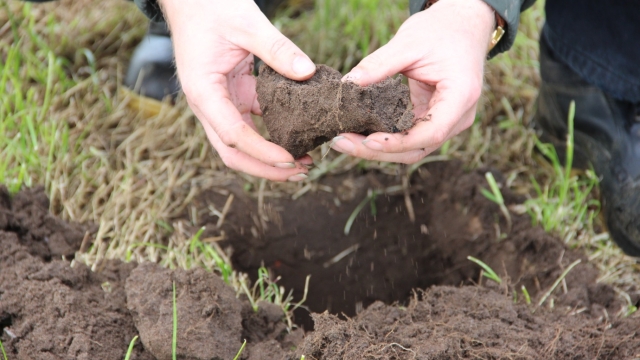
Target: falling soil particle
x,y
300,115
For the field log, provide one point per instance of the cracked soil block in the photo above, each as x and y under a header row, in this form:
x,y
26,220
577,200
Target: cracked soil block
x,y
301,115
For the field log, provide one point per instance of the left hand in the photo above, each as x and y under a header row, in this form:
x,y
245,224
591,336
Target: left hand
x,y
442,51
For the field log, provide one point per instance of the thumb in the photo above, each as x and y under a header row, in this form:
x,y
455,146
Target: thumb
x,y
381,64
277,51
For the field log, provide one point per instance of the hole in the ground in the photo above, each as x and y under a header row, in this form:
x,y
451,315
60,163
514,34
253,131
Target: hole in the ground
x,y
386,255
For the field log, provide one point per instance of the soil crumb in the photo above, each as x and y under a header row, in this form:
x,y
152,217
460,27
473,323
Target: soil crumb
x,y
301,115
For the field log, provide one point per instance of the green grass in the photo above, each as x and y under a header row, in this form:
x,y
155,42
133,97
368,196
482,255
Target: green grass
x,y
4,354
557,282
525,293
31,142
369,199
195,252
267,290
495,195
244,343
487,271
130,349
174,332
564,204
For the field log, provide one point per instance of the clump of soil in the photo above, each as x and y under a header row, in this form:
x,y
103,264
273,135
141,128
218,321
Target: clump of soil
x,y
301,115
208,309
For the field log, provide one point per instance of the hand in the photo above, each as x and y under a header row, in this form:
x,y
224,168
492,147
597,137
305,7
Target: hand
x,y
442,51
214,43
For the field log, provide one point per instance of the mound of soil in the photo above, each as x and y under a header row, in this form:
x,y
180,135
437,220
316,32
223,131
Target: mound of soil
x,y
301,115
51,308
48,308
468,322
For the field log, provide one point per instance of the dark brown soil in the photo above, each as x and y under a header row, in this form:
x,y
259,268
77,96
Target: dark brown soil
x,y
52,310
301,115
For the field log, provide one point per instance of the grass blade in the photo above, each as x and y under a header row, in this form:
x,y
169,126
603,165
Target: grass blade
x,y
356,211
131,345
4,354
240,351
558,280
174,338
488,272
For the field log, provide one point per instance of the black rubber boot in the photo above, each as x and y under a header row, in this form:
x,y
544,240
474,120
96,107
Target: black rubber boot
x,y
607,136
152,72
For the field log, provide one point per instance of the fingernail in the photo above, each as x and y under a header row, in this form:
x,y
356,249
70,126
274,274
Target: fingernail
x,y
352,76
298,177
373,145
285,165
341,144
303,66
309,166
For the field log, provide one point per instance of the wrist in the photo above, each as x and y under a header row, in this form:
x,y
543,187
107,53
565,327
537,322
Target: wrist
x,y
487,20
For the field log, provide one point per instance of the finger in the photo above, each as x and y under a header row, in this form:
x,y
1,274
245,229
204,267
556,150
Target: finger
x,y
242,86
451,110
421,95
305,160
221,115
351,144
235,159
390,59
276,50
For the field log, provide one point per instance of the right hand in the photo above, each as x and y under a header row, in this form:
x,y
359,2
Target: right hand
x,y
214,43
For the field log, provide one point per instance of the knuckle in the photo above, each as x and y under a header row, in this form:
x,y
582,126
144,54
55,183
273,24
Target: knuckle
x,y
438,137
475,90
192,93
373,61
279,46
229,137
415,156
364,154
229,160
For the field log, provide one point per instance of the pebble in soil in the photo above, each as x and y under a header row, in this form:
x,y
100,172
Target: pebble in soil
x,y
301,115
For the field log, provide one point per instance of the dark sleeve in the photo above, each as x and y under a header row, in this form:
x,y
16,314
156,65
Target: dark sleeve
x,y
151,9
508,9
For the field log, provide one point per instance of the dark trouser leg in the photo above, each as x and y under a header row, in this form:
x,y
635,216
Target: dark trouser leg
x,y
607,136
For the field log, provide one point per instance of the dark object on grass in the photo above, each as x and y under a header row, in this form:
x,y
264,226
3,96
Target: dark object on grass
x,y
300,115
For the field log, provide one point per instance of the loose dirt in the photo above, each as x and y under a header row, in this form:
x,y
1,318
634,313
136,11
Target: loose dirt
x,y
51,308
301,115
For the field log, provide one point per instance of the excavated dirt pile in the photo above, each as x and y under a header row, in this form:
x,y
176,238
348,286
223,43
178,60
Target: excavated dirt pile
x,y
51,308
301,115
